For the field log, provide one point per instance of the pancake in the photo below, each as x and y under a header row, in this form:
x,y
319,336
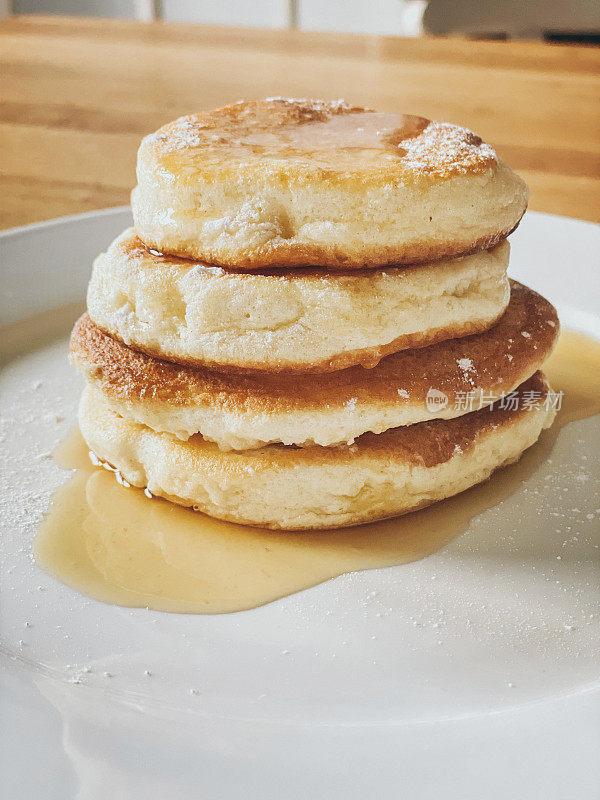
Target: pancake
x,y
305,320
247,411
294,183
318,487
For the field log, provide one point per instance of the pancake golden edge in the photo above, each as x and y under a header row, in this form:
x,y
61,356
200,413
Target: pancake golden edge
x,y
248,411
294,320
380,476
295,183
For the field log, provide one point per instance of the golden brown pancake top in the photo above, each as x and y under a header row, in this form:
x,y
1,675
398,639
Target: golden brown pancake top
x,y
308,136
498,359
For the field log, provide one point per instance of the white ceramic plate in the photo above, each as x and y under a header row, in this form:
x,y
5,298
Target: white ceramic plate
x,y
470,674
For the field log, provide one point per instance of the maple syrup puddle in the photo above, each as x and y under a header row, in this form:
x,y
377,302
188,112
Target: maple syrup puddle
x,y
118,546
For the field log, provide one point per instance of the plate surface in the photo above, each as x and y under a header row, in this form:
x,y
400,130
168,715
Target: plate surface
x,y
472,673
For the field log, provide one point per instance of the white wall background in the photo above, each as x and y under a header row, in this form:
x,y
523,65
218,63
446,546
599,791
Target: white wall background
x,y
393,17
253,13
354,16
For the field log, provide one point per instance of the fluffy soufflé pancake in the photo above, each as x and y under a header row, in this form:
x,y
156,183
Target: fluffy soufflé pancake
x,y
289,183
246,411
302,320
319,487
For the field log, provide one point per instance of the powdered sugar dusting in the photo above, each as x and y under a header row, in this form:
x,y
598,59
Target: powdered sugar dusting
x,y
444,149
466,364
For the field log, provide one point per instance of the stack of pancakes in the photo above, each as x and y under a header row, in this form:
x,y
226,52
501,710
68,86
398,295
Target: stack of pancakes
x,y
311,325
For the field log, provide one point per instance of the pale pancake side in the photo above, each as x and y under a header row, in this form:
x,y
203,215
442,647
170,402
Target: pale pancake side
x,y
299,488
285,320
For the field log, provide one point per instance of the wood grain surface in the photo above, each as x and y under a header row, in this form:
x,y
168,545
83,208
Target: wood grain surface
x,y
77,95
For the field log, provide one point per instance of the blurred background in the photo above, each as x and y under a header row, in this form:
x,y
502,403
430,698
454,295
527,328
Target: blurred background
x,y
571,20
83,80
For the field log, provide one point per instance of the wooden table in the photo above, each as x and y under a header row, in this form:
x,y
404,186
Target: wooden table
x,y
77,95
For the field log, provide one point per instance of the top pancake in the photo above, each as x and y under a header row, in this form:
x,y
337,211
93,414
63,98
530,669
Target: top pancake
x,y
302,182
